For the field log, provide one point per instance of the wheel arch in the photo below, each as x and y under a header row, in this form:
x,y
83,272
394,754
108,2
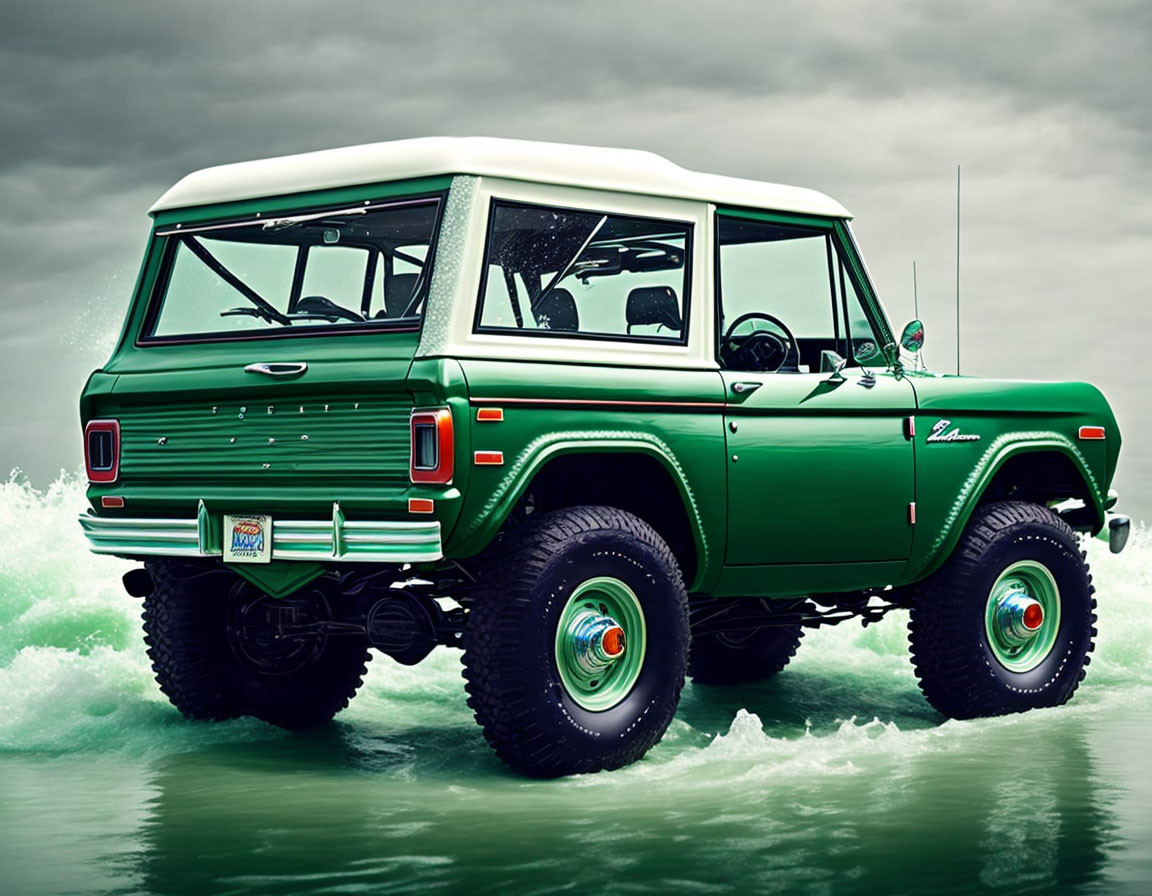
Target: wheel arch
x,y
1011,470
624,464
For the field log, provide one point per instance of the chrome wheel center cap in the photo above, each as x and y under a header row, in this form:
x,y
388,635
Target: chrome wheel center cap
x,y
1019,617
597,640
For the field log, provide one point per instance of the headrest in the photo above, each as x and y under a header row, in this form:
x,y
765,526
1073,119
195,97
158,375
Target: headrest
x,y
557,311
653,305
398,293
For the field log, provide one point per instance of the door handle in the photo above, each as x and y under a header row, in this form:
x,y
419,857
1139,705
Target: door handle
x,y
744,388
278,368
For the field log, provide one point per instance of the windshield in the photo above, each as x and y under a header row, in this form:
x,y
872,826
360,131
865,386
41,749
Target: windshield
x,y
363,268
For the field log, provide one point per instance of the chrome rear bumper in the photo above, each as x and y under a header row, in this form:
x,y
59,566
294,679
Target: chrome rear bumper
x,y
331,540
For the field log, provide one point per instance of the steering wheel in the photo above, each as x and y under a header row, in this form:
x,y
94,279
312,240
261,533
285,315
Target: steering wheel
x,y
760,350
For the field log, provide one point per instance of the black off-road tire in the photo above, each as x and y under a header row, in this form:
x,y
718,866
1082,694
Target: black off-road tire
x,y
186,626
513,683
956,665
738,657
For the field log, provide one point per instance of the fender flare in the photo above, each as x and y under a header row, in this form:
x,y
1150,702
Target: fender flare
x,y
999,451
484,525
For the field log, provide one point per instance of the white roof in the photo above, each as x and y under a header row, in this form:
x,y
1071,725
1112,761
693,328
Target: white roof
x,y
623,170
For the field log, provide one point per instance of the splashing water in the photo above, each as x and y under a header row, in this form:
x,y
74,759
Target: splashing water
x,y
836,775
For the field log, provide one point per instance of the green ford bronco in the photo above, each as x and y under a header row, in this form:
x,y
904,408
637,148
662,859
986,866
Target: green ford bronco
x,y
596,420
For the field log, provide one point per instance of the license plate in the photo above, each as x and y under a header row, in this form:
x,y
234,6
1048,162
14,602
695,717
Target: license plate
x,y
247,538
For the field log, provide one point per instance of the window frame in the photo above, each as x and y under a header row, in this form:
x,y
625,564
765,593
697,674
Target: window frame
x,y
169,245
685,305
834,229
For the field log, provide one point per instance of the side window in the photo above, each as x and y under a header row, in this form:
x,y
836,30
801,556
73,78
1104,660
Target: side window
x,y
785,300
856,332
564,272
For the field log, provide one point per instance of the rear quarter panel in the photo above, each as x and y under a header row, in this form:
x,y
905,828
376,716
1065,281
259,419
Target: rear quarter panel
x,y
675,416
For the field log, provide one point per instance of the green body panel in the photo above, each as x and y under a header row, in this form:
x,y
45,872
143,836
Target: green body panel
x,y
675,416
1011,418
796,579
195,425
820,471
280,577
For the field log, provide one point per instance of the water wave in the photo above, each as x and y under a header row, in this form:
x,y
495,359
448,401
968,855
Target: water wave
x,y
74,675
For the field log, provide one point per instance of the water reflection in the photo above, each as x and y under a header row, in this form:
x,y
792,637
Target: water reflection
x,y
954,809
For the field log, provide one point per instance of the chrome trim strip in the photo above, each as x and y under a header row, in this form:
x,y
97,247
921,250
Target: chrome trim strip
x,y
333,540
622,402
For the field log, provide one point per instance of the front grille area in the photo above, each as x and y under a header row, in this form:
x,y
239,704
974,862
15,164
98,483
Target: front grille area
x,y
312,442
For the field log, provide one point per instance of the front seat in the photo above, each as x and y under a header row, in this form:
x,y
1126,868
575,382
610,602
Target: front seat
x,y
398,294
557,311
649,305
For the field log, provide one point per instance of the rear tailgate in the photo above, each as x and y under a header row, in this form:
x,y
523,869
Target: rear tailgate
x,y
197,425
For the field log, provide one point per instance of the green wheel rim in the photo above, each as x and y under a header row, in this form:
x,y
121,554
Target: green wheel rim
x,y
609,597
1030,579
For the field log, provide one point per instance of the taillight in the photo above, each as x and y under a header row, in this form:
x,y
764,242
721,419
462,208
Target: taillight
x,y
102,450
432,446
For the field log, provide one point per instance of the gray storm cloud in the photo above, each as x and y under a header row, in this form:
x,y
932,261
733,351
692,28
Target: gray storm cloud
x,y
102,106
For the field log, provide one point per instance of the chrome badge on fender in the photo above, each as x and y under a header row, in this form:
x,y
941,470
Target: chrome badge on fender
x,y
941,433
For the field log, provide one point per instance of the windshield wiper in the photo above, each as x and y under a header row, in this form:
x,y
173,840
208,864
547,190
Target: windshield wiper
x,y
275,225
264,308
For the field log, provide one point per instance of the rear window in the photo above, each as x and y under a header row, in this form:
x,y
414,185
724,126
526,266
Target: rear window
x,y
362,268
565,272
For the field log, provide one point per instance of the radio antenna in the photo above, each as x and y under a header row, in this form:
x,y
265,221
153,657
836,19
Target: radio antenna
x,y
957,270
915,294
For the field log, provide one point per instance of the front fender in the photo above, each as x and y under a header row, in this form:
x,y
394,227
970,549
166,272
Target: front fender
x,y
934,547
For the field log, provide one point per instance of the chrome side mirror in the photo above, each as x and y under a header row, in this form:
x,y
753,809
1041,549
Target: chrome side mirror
x,y
832,362
912,339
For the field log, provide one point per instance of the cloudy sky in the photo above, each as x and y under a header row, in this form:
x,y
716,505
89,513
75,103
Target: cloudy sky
x,y
1044,106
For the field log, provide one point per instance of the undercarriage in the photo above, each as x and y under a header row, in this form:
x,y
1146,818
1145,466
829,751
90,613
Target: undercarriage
x,y
407,617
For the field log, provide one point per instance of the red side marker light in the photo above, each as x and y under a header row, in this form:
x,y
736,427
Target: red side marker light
x,y
489,458
1095,433
111,501
490,415
421,505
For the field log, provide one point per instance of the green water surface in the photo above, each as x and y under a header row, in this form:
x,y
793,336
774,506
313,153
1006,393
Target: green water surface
x,y
836,777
